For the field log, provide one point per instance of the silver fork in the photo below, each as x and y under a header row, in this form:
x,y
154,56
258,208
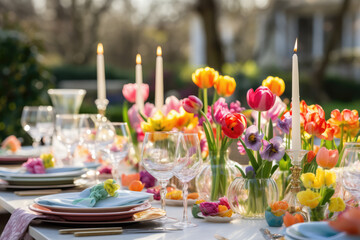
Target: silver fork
x,y
270,236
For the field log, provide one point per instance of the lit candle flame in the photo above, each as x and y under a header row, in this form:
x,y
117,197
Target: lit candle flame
x,y
100,48
158,51
295,47
138,59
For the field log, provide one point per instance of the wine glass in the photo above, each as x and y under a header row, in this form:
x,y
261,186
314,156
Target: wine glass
x,y
45,123
87,130
158,158
67,132
28,122
350,164
119,149
188,165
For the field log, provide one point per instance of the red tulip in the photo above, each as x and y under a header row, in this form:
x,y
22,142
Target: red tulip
x,y
329,133
260,100
233,125
315,123
327,158
192,104
129,91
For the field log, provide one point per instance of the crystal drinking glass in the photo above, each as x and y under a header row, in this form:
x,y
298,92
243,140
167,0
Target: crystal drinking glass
x,y
29,123
119,149
87,130
350,164
45,123
67,132
159,159
188,165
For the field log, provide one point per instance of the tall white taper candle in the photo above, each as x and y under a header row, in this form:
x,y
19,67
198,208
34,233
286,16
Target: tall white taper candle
x,y
159,82
296,138
101,89
139,81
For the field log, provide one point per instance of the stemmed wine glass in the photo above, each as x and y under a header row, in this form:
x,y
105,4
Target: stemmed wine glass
x,y
67,132
159,159
45,123
88,127
188,165
28,122
119,149
350,164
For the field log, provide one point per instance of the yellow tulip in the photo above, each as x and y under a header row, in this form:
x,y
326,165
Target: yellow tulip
x,y
159,122
336,205
319,178
309,198
330,178
308,179
275,84
205,77
225,86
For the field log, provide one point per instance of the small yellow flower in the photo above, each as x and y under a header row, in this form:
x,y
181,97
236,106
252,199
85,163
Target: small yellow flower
x,y
330,178
111,186
308,179
48,160
224,211
320,178
175,195
336,205
159,122
309,198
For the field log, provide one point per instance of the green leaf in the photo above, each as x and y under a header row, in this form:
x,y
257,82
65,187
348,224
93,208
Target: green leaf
x,y
125,109
329,192
267,169
242,172
250,155
273,169
270,132
142,116
208,138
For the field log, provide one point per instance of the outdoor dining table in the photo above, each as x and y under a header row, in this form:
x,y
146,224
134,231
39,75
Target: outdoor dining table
x,y
237,229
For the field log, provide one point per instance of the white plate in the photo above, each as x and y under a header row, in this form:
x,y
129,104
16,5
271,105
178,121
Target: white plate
x,y
179,203
12,174
218,219
38,187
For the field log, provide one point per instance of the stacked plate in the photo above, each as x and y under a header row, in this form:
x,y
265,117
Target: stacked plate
x,y
109,211
53,178
20,156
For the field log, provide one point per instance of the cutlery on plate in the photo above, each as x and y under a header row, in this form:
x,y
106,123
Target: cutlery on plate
x,y
37,192
97,233
270,236
108,230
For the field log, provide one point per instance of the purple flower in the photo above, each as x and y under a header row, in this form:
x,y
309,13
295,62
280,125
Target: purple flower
x,y
224,201
220,104
235,107
219,114
209,208
147,179
253,138
105,170
34,165
273,150
284,125
154,191
250,172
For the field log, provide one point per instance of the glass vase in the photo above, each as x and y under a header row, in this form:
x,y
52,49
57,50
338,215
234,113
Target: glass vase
x,y
251,197
282,179
215,177
318,213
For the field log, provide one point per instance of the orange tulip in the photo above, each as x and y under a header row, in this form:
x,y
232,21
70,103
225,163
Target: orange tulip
x,y
329,133
275,84
327,158
279,208
11,143
205,77
315,122
291,220
225,85
347,119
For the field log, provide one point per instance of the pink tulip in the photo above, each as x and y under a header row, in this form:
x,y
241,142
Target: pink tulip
x,y
192,104
171,103
134,117
260,100
129,91
327,158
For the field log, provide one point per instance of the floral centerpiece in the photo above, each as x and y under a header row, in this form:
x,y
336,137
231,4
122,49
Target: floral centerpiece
x,y
221,125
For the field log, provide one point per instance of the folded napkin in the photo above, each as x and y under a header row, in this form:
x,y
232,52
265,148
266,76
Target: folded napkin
x,y
17,226
319,231
123,198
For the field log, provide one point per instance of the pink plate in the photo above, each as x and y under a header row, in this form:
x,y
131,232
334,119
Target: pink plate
x,y
91,217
